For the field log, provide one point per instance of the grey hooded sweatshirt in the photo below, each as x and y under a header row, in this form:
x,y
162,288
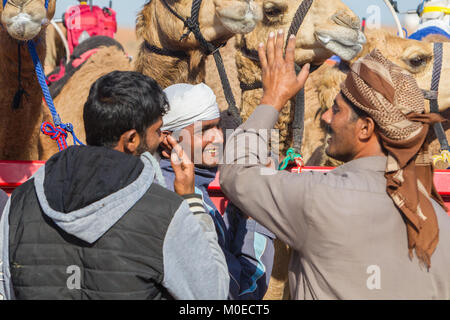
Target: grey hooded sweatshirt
x,y
194,265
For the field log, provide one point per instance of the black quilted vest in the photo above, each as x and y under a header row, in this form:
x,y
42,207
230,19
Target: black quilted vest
x,y
125,263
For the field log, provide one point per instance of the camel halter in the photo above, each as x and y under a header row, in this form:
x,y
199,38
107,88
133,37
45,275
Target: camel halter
x,y
432,95
59,131
193,26
299,107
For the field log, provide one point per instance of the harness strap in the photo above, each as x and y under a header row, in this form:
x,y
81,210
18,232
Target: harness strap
x,y
48,98
166,52
299,17
298,127
434,105
193,26
17,100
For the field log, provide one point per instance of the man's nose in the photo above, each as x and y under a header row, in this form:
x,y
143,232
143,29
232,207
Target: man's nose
x,y
218,135
326,117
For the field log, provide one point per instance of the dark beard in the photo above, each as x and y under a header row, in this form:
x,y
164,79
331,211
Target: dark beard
x,y
143,147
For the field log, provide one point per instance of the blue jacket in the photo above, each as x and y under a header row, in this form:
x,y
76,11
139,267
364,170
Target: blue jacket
x,y
247,245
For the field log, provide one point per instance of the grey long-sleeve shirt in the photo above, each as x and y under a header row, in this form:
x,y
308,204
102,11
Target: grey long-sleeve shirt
x,y
349,240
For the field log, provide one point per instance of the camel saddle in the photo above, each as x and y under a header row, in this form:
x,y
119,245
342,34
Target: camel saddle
x,y
93,20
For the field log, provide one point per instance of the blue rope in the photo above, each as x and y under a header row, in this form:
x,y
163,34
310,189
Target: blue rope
x,y
40,74
47,96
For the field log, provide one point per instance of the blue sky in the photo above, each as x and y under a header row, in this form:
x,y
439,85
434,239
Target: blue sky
x,y
128,9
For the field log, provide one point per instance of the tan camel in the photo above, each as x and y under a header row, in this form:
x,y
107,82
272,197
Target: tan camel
x,y
161,30
55,47
414,56
330,27
21,20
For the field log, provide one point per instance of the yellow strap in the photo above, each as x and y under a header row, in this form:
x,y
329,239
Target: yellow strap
x,y
436,9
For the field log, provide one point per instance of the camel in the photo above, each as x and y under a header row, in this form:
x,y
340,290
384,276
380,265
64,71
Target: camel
x,y
55,47
164,31
330,27
20,122
414,56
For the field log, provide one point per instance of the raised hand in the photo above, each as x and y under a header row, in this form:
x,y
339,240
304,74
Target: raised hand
x,y
280,81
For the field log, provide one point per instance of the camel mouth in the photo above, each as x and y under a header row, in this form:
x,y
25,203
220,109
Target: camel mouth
x,y
23,27
240,19
347,47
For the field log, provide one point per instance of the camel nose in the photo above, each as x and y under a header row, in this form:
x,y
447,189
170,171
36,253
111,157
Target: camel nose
x,y
361,38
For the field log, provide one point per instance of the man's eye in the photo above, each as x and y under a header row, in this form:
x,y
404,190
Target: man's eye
x,y
335,110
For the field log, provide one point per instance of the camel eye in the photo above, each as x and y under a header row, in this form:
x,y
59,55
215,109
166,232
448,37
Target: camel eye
x,y
418,61
272,12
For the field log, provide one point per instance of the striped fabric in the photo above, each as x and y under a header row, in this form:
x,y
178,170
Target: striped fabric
x,y
195,202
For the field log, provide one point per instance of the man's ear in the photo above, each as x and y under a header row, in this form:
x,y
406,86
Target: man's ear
x,y
367,128
130,141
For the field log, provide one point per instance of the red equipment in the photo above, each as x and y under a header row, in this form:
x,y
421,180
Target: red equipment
x,y
14,173
91,19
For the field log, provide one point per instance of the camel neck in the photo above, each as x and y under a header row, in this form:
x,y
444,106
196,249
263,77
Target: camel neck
x,y
20,121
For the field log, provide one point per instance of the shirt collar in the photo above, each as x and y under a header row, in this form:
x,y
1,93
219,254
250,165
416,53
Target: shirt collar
x,y
376,163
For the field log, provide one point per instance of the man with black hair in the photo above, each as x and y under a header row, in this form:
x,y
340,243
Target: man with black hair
x,y
97,222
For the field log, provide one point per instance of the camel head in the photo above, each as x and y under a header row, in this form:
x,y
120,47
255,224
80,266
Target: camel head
x,y
219,21
24,19
330,27
417,57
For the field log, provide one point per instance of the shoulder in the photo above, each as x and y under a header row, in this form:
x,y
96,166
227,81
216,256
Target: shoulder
x,y
160,202
164,195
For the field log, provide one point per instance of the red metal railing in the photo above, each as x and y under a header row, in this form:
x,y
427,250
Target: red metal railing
x,y
14,173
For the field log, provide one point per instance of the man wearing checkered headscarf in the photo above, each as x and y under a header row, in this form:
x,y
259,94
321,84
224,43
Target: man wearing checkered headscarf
x,y
346,227
392,98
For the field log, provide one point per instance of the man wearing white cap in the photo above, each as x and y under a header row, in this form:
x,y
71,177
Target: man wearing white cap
x,y
248,247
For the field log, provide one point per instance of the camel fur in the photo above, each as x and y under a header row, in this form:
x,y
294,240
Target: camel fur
x,y
19,134
327,26
402,52
162,30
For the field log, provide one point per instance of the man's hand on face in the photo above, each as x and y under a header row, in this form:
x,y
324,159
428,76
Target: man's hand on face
x,y
280,81
183,168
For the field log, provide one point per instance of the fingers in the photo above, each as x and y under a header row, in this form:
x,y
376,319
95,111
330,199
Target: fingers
x,y
290,50
271,48
262,56
279,46
303,76
178,156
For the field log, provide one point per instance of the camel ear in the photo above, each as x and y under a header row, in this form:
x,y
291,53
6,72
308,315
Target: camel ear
x,y
140,26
